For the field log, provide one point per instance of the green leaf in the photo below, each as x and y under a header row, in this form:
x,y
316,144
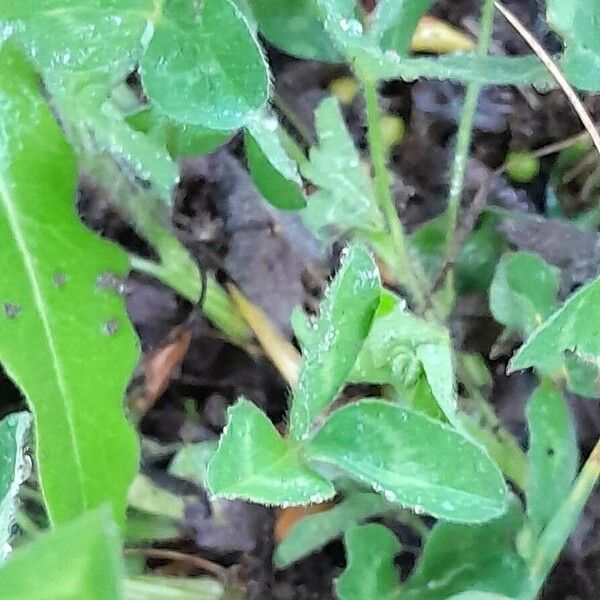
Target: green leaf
x,y
204,66
345,200
523,291
253,462
399,345
191,462
56,311
81,559
295,26
553,454
274,172
147,496
14,468
314,531
152,587
579,24
459,558
412,460
394,22
103,37
180,139
342,326
371,572
569,328
144,527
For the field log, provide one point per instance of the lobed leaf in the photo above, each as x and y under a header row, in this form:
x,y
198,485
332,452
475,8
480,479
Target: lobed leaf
x,y
553,454
345,200
204,65
253,462
370,570
14,467
56,311
314,531
340,330
89,546
412,460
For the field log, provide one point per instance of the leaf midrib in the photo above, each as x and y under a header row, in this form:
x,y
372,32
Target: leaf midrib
x,y
20,240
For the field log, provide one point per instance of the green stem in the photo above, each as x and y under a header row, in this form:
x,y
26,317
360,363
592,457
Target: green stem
x,y
465,132
559,529
404,266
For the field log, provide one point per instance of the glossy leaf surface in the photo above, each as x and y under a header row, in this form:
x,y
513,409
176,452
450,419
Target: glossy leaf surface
x,y
57,314
412,460
91,549
253,462
204,66
339,332
14,469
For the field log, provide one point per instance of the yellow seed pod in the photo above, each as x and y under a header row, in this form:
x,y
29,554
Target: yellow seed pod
x,y
344,88
438,37
392,130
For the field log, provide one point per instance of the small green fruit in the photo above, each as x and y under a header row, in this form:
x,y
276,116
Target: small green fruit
x,y
392,130
522,166
344,88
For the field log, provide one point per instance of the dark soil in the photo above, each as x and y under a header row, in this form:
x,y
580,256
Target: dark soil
x,y
231,231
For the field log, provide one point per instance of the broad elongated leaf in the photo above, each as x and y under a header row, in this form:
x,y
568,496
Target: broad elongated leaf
x,y
345,200
399,345
476,558
274,172
370,572
151,587
314,531
579,24
81,559
523,291
394,22
204,66
571,328
412,460
296,27
14,467
340,330
553,454
57,314
254,462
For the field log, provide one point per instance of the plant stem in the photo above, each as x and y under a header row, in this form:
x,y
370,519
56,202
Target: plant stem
x,y
559,529
465,132
404,266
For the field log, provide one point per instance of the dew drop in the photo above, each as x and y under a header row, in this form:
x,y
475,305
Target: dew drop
x,y
59,279
110,327
11,310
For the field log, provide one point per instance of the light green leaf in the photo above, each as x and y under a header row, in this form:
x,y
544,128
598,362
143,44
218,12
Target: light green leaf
x,y
412,460
253,462
579,24
371,572
152,587
274,172
523,291
14,467
341,19
204,66
394,22
295,26
56,311
460,558
147,496
180,139
81,559
342,326
571,328
345,200
553,454
144,527
191,462
399,345
314,531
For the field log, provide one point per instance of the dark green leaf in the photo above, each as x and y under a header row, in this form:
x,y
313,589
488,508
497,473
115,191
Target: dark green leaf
x,y
412,460
81,559
340,330
460,558
553,454
314,531
371,572
253,462
204,66
14,467
345,200
56,311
